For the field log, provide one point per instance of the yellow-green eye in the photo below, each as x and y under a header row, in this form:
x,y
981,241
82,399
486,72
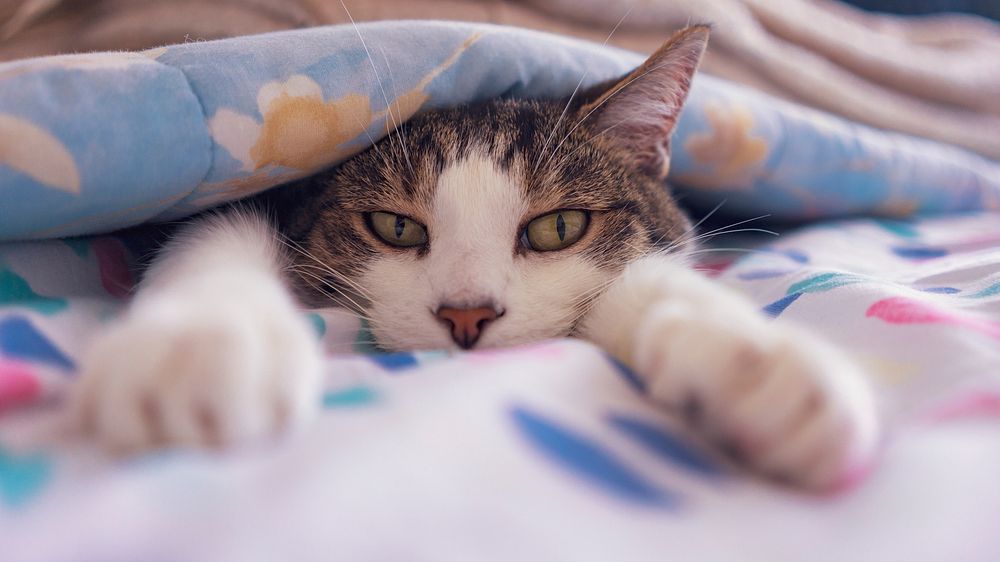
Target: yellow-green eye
x,y
555,231
398,230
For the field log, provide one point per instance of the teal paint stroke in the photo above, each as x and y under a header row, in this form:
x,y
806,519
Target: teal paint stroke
x,y
22,477
823,282
989,291
350,397
15,291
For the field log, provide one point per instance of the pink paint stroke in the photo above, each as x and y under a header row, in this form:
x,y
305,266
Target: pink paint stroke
x,y
18,384
116,278
983,404
902,310
714,268
546,350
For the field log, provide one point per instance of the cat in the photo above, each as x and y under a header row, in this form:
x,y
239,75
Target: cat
x,y
493,224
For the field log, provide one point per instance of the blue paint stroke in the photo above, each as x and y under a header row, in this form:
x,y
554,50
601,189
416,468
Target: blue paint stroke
x,y
919,252
759,274
777,307
794,255
665,445
942,290
395,361
20,339
589,461
628,374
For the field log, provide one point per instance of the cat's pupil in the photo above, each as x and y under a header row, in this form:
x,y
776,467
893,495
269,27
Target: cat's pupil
x,y
561,227
400,225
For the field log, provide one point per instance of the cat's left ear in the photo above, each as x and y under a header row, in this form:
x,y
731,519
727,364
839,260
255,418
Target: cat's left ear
x,y
639,112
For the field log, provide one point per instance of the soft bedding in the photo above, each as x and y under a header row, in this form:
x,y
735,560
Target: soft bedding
x,y
543,452
94,142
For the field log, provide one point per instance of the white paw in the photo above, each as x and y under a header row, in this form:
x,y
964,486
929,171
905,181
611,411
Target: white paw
x,y
201,368
779,400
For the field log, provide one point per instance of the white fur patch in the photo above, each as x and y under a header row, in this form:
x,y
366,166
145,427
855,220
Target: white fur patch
x,y
212,351
474,232
477,209
793,405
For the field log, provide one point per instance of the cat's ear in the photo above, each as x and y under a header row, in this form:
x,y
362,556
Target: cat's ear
x,y
639,112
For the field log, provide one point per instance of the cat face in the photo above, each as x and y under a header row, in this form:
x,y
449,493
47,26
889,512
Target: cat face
x,y
498,223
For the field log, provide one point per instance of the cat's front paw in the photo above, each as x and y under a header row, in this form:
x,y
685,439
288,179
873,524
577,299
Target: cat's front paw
x,y
780,401
200,370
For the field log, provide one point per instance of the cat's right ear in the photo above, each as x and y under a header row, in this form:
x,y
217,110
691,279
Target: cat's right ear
x,y
639,112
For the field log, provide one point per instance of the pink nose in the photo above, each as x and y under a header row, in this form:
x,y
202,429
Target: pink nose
x,y
466,323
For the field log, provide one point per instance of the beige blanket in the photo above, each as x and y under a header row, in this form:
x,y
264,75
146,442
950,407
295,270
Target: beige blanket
x,y
936,77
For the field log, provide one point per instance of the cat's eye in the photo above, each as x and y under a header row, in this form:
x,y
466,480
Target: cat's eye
x,y
398,230
555,231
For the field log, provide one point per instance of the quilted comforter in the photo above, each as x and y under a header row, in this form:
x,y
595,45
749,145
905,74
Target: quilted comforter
x,y
543,452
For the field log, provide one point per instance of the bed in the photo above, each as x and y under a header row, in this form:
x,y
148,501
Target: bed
x,y
548,451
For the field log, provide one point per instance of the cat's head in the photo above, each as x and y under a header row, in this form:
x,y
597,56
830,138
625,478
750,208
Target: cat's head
x,y
499,223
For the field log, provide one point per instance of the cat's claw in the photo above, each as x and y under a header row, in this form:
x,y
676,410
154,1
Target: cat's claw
x,y
200,370
780,401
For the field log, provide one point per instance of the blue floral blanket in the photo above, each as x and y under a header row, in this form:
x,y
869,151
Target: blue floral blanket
x,y
95,142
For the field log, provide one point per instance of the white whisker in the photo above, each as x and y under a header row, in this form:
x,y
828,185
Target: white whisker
x,y
371,61
555,127
399,113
